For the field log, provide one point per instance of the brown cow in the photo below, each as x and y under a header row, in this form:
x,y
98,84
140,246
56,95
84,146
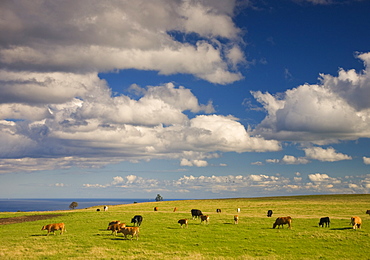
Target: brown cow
x,y
183,222
54,227
116,227
174,210
155,208
282,221
133,231
236,219
204,218
356,222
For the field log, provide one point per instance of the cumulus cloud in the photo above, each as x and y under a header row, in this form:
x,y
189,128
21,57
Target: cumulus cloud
x,y
317,177
289,159
366,160
119,128
337,108
272,160
244,185
325,155
91,36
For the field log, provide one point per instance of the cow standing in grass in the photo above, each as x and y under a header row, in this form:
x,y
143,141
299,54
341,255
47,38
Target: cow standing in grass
x,y
116,227
183,222
204,218
282,221
133,231
54,227
356,222
236,219
137,220
196,213
325,221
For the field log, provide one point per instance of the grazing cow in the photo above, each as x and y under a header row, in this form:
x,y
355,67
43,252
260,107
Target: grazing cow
x,y
174,210
204,218
195,213
105,208
54,227
356,222
368,211
282,221
269,213
238,210
325,221
183,222
116,227
137,220
218,210
155,208
133,231
236,219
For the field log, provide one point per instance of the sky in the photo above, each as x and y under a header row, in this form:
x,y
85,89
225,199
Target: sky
x,y
187,99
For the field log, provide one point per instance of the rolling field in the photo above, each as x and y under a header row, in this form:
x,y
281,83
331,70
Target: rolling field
x,y
162,238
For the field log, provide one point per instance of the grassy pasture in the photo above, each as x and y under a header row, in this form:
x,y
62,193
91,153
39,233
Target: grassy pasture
x,y
162,238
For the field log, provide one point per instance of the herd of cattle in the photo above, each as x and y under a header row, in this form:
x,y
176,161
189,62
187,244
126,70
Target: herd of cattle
x,y
117,227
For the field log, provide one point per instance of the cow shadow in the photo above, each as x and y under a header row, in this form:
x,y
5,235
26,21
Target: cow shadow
x,y
122,238
39,235
344,228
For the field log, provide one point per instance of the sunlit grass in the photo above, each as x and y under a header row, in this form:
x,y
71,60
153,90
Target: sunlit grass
x,y
162,238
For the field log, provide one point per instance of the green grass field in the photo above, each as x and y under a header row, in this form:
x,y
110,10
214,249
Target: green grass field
x,y
162,238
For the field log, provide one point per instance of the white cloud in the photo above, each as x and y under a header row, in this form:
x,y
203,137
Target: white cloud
x,y
317,177
272,160
198,163
366,160
325,155
120,128
90,36
335,109
289,159
257,163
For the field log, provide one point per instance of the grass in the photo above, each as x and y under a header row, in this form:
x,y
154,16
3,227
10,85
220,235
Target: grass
x,y
162,238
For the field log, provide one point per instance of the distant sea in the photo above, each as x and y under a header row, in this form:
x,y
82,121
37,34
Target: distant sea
x,y
14,205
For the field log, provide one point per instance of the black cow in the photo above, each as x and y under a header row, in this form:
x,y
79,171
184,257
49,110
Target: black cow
x,y
325,221
195,213
218,210
137,220
269,213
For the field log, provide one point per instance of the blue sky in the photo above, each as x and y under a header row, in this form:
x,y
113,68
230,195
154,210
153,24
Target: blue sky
x,y
189,99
